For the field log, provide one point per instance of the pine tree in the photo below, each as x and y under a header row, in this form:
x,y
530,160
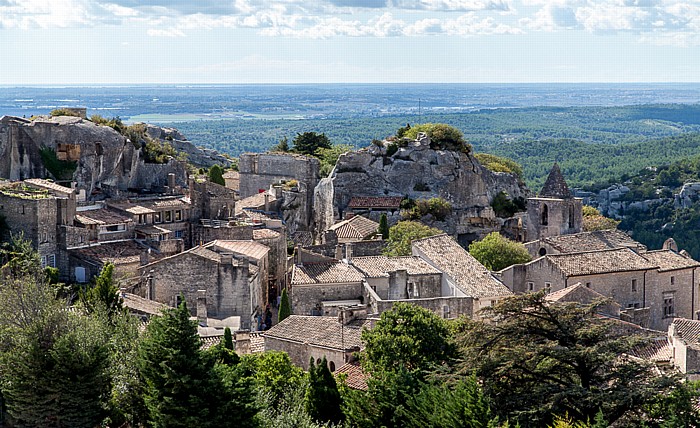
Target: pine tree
x,y
383,226
174,372
104,294
322,401
285,309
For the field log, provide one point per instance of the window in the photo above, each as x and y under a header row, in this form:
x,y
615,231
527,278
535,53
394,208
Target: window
x,y
543,251
142,218
545,215
530,286
158,217
588,285
168,215
178,234
669,306
48,260
332,366
571,217
547,287
634,285
445,311
178,215
673,280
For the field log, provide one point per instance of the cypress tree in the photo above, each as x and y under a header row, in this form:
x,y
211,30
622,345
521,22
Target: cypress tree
x,y
322,401
228,340
285,310
216,175
383,226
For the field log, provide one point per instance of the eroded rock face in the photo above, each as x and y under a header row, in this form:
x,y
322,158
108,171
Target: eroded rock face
x,y
197,156
419,172
106,162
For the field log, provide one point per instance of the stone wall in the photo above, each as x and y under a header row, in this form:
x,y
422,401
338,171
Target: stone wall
x,y
201,234
306,298
563,217
359,248
259,170
301,353
445,307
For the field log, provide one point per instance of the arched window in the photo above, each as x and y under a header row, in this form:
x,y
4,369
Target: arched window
x,y
543,251
571,216
332,364
545,215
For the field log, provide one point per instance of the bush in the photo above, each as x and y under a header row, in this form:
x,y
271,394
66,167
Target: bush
x,y
505,207
499,164
442,136
439,208
63,112
497,252
60,169
402,233
392,149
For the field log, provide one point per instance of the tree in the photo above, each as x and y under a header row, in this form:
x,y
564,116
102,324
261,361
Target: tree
x,y
537,360
329,157
322,401
594,220
216,175
104,294
228,339
442,136
282,146
308,143
285,310
407,337
402,233
497,252
173,370
383,226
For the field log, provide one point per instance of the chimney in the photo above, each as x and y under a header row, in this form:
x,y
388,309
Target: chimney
x,y
297,252
227,259
143,258
171,181
267,202
338,252
242,345
202,307
348,252
150,289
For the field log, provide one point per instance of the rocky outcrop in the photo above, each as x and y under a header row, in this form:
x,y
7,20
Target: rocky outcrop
x,y
105,162
197,156
419,172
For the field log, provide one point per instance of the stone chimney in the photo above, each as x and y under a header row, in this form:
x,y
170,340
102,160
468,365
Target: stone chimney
x,y
297,254
150,289
338,252
348,252
227,259
242,345
267,202
202,307
171,182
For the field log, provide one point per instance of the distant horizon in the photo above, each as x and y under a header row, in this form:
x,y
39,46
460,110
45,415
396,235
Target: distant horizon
x,y
205,85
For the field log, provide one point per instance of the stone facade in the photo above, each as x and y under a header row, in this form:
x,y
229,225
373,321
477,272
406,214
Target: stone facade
x,y
257,171
555,211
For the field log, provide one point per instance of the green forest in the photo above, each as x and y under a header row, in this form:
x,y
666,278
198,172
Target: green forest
x,y
80,360
592,144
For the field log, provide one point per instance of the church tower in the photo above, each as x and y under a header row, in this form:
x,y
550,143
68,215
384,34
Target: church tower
x,y
554,211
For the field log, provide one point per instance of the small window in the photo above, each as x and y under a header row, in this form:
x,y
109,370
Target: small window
x,y
543,251
530,286
669,305
158,218
673,280
168,215
178,215
318,361
634,285
588,285
545,215
178,234
332,366
547,287
445,311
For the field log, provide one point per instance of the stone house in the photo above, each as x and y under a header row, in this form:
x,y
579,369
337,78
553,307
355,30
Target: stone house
x,y
127,256
211,200
585,241
554,211
462,275
319,287
230,285
355,229
662,281
158,219
579,293
305,337
684,341
108,225
257,171
233,180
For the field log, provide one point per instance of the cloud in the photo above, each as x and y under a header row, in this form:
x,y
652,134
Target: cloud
x,y
452,5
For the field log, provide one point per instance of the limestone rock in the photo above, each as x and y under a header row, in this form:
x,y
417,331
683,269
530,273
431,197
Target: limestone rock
x,y
197,156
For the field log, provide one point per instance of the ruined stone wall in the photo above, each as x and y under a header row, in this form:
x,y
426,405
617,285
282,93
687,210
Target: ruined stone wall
x,y
305,298
259,170
202,234
277,261
359,248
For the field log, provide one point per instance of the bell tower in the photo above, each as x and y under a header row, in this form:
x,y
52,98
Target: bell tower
x,y
554,211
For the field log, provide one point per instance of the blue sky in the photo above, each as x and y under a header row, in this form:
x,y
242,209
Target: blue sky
x,y
297,41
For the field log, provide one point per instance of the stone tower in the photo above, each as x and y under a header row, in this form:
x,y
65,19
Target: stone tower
x,y
554,211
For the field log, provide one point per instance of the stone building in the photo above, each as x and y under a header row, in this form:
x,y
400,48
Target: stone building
x,y
305,337
211,201
158,219
354,229
277,260
320,287
684,341
258,171
584,241
554,211
463,276
127,256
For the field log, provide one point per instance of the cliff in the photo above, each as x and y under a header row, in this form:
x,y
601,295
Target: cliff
x,y
418,172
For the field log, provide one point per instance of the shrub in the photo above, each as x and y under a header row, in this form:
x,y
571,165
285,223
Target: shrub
x,y
505,207
439,208
497,252
442,136
392,149
63,112
60,169
499,164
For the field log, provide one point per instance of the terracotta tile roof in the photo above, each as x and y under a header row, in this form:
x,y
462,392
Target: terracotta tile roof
x,y
325,273
470,276
355,378
141,305
566,294
265,234
101,216
555,186
668,260
357,227
597,262
380,266
122,252
688,331
592,241
317,331
658,350
386,202
250,249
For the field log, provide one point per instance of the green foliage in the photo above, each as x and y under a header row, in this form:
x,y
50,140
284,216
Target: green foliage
x,y
593,220
63,112
228,339
543,359
407,337
439,208
506,207
497,252
308,143
442,136
402,233
114,123
322,401
383,226
499,164
285,309
282,146
391,149
216,175
155,151
273,375
329,156
104,295
59,169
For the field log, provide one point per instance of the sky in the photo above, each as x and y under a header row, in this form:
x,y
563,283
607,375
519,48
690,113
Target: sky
x,y
66,42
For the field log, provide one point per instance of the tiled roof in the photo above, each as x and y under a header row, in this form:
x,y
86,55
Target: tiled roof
x,y
147,206
202,252
49,185
357,227
122,252
325,273
390,202
141,305
318,331
257,343
302,238
210,341
265,234
658,350
231,174
255,201
668,260
596,262
592,241
355,377
555,186
688,331
101,216
379,266
250,249
566,294
470,276
258,215
152,229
